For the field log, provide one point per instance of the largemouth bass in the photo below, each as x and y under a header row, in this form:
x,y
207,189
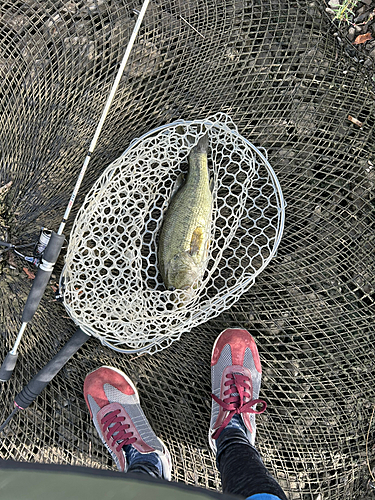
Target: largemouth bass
x,y
185,233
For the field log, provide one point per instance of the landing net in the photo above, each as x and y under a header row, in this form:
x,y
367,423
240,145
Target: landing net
x,y
111,281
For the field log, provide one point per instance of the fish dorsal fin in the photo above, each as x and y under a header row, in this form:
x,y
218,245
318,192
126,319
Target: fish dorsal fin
x,y
196,241
178,183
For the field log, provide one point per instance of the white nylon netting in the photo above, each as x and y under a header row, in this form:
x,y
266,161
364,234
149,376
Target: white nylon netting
x,y
111,283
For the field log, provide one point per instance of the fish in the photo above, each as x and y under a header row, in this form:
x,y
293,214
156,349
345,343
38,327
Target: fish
x,y
185,232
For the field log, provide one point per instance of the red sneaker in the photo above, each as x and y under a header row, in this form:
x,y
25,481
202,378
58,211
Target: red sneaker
x,y
235,375
115,410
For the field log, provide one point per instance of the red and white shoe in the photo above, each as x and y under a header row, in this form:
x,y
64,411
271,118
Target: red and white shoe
x,y
115,410
236,376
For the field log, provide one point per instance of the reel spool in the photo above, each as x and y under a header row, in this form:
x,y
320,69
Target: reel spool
x,y
112,286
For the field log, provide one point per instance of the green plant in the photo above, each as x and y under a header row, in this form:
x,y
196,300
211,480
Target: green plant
x,y
343,11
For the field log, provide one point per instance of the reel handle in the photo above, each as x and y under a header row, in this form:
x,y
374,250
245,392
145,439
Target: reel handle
x,y
36,385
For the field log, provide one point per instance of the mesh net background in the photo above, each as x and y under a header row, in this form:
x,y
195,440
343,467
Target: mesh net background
x,y
275,68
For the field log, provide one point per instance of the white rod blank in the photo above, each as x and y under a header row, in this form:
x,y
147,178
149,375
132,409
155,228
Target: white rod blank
x,y
104,114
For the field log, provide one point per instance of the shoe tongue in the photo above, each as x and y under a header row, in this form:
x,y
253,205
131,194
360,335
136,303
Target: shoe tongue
x,y
117,432
235,393
112,423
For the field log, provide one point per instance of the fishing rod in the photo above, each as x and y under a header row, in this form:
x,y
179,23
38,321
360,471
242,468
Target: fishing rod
x,y
52,250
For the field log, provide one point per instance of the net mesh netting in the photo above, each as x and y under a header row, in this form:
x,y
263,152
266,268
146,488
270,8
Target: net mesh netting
x,y
111,282
274,66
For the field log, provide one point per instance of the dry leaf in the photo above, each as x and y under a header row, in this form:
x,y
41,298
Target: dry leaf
x,y
29,273
362,38
355,121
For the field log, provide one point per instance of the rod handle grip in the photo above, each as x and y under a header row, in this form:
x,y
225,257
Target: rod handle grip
x,y
7,367
50,256
36,385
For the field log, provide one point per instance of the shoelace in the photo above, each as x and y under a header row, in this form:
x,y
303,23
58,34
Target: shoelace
x,y
118,430
239,387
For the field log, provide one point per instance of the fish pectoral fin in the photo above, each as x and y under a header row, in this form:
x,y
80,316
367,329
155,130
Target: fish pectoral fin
x,y
196,241
178,183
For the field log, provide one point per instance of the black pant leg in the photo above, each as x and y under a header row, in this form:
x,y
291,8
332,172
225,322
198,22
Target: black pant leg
x,y
242,470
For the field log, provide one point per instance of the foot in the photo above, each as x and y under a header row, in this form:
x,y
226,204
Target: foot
x,y
235,374
121,424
